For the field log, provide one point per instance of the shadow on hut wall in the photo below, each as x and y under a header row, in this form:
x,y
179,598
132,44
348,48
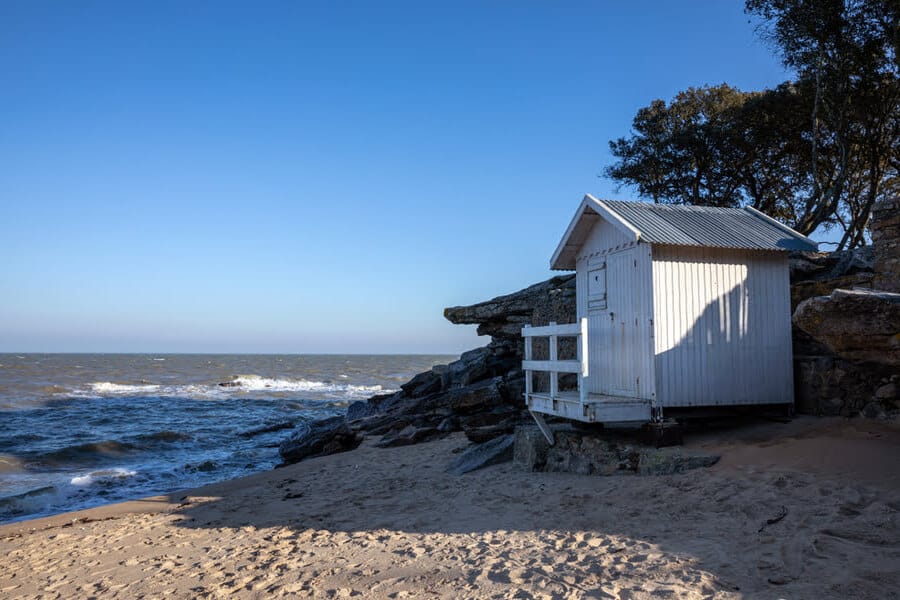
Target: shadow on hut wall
x,y
737,352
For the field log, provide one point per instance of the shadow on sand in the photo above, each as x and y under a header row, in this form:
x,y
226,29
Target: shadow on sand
x,y
805,509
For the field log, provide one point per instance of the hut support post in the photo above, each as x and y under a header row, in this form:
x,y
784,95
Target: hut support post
x,y
554,356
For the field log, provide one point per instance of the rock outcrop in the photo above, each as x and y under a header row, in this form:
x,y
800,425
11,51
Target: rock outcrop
x,y
503,317
846,327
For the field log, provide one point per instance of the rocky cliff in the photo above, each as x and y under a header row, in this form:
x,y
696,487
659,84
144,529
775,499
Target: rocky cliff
x,y
846,353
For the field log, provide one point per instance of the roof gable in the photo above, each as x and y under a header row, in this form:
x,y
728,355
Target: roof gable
x,y
679,225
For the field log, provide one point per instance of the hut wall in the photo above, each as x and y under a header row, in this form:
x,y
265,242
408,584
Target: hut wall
x,y
722,327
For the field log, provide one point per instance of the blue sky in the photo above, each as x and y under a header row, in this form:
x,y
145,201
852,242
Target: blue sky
x,y
315,176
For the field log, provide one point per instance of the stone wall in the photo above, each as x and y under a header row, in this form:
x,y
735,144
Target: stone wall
x,y
885,228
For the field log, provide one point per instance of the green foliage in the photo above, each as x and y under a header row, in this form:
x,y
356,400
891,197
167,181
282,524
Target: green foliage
x,y
819,150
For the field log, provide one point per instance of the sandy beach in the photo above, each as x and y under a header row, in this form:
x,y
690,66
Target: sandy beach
x,y
808,509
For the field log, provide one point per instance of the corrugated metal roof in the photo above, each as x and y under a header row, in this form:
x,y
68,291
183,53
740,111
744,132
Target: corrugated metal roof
x,y
707,226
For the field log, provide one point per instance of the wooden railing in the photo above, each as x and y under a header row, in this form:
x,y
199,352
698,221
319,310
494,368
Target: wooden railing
x,y
554,366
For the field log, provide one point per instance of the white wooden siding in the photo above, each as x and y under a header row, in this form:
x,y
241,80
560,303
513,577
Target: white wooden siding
x,y
604,238
620,347
722,328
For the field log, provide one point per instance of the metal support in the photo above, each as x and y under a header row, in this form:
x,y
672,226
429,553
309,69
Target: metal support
x,y
542,425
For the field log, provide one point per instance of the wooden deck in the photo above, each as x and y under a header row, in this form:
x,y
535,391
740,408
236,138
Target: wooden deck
x,y
577,405
596,408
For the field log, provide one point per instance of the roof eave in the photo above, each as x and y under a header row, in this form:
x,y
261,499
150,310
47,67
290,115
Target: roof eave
x,y
560,261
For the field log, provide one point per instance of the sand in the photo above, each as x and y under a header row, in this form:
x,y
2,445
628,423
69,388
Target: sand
x,y
809,509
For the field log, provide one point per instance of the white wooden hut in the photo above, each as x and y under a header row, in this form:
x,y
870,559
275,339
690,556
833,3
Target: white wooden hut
x,y
678,306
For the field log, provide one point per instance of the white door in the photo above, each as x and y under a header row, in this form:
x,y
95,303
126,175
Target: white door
x,y
615,326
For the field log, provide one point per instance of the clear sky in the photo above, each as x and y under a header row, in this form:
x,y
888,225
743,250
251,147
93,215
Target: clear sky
x,y
315,176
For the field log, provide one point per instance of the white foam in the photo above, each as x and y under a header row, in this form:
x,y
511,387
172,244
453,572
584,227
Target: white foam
x,y
121,389
269,384
107,474
240,385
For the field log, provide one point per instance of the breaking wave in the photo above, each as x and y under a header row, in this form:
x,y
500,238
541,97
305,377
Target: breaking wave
x,y
90,452
105,475
237,386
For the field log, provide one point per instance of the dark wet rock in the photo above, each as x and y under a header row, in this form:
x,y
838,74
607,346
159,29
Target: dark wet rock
x,y
873,410
493,452
408,436
362,409
319,438
887,391
484,395
478,435
449,424
485,426
267,429
422,384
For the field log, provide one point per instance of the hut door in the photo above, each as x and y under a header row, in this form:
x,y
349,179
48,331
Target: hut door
x,y
623,325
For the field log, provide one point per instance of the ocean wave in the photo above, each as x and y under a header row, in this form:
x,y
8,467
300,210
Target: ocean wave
x,y
270,384
107,388
27,501
164,436
88,452
103,476
237,386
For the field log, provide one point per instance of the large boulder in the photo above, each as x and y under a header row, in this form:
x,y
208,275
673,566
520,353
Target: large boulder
x,y
861,325
319,438
820,273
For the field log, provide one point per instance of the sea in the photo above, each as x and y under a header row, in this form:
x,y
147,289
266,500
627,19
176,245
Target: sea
x,y
81,430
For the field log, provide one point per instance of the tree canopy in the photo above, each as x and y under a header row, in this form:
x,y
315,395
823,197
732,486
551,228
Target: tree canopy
x,y
819,150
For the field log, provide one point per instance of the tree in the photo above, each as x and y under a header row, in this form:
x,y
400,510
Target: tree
x,y
717,146
673,156
847,51
816,151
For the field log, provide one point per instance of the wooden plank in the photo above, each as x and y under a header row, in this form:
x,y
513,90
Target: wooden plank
x,y
560,366
565,329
